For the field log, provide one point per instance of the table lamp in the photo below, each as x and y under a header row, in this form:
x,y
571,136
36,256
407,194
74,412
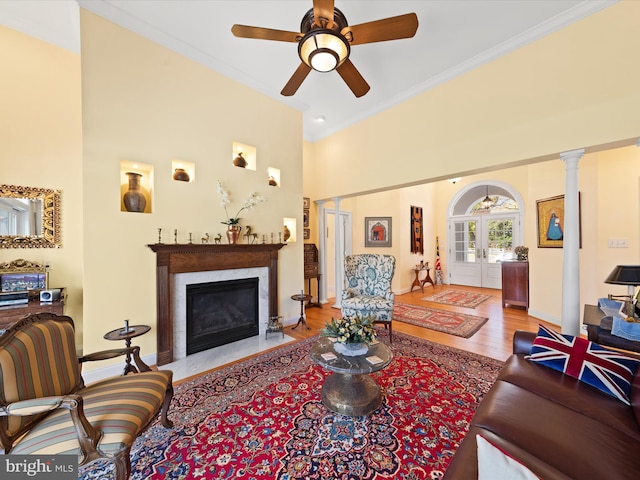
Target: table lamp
x,y
626,275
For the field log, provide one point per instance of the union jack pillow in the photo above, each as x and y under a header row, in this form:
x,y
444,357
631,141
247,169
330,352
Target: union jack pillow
x,y
607,370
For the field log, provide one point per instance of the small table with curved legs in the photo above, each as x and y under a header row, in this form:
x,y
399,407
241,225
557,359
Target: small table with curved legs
x,y
120,334
350,390
301,297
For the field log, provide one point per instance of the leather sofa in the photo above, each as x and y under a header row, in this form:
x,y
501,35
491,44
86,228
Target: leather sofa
x,y
556,426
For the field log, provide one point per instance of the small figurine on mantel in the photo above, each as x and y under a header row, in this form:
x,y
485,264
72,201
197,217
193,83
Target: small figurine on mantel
x,y
251,236
206,238
218,239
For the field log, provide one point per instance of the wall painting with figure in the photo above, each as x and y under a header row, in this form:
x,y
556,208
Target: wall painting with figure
x,y
550,217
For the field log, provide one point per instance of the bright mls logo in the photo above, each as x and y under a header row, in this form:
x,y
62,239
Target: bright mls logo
x,y
45,467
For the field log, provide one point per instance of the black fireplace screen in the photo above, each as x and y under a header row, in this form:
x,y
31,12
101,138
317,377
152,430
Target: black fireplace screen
x,y
221,312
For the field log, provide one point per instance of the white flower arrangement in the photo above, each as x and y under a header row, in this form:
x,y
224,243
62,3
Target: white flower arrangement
x,y
254,199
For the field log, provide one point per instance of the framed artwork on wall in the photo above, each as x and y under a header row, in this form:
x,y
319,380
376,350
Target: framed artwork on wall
x,y
306,202
307,233
417,240
550,221
377,231
305,217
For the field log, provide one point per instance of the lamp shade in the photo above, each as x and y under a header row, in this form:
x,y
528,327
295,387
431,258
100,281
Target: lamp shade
x,y
624,275
323,49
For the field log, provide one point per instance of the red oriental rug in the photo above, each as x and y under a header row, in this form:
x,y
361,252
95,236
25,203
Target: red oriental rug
x,y
458,298
453,323
263,418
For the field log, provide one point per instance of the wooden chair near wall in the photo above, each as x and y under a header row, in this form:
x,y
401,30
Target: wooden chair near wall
x,y
45,407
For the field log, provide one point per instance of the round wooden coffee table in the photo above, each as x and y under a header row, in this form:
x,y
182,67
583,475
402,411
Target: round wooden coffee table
x,y
350,390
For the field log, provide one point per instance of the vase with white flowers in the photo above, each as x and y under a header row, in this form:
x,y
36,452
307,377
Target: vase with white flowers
x,y
352,335
233,223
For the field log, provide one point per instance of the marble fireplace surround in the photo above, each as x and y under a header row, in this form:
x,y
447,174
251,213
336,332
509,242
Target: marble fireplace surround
x,y
173,260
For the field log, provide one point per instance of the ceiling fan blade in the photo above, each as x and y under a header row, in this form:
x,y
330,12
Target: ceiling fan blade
x,y
296,80
353,79
260,33
392,28
323,9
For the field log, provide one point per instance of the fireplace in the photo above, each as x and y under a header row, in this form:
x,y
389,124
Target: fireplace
x,y
184,264
221,312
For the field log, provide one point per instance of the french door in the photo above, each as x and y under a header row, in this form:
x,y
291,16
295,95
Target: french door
x,y
479,244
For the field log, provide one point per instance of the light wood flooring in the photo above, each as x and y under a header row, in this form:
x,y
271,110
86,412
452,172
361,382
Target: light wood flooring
x,y
493,339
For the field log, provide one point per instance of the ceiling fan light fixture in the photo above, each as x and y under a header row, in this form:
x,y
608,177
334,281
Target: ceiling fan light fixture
x,y
323,50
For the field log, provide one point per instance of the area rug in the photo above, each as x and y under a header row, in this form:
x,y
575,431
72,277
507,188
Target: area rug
x,y
453,323
263,418
458,298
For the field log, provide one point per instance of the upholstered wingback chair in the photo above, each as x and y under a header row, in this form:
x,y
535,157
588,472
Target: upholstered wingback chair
x,y
45,407
367,292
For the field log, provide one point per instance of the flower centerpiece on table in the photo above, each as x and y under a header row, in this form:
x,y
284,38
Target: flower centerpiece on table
x,y
254,199
354,333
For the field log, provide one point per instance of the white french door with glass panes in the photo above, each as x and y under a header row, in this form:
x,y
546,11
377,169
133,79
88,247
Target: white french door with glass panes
x,y
479,244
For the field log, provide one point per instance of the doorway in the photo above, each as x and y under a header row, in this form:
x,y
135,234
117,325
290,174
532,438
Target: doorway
x,y
333,251
485,225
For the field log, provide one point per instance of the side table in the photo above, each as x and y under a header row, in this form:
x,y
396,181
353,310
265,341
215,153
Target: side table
x,y
121,334
599,330
301,297
350,390
420,283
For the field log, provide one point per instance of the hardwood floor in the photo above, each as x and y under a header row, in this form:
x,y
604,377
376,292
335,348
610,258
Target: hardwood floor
x,y
493,339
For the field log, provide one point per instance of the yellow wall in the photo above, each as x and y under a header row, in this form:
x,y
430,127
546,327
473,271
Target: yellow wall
x,y
41,147
575,88
144,103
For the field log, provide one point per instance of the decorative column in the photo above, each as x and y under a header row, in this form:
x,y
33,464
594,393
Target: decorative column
x,y
322,251
570,319
338,268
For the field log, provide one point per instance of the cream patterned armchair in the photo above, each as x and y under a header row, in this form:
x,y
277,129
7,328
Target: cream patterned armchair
x,y
367,292
45,407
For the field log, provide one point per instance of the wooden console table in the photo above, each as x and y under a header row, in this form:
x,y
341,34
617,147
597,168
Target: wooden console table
x,y
13,313
420,283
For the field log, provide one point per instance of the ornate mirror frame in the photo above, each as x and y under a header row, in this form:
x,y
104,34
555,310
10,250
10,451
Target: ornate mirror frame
x,y
50,237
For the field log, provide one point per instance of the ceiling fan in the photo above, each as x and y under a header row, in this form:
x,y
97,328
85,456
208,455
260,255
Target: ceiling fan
x,y
325,39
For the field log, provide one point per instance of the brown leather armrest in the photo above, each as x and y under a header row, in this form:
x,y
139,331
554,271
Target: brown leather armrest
x,y
522,341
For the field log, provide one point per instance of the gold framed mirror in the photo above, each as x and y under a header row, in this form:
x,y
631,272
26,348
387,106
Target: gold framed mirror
x,y
29,217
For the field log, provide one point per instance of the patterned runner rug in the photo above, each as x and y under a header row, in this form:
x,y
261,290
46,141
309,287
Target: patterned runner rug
x,y
263,418
459,298
454,323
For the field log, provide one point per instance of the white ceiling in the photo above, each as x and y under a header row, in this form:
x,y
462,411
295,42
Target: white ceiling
x,y
453,37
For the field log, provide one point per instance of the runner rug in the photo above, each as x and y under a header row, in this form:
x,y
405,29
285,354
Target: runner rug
x,y
263,418
458,298
454,323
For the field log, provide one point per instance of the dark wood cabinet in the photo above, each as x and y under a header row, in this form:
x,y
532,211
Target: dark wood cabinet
x,y
515,284
13,313
311,270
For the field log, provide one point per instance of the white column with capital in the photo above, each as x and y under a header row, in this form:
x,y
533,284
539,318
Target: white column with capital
x,y
570,319
338,269
322,253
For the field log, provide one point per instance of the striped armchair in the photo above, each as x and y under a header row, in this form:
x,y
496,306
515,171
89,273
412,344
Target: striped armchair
x,y
367,291
45,407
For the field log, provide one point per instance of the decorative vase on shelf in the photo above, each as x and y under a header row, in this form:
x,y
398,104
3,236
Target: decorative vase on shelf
x,y
181,175
133,198
240,161
287,233
233,233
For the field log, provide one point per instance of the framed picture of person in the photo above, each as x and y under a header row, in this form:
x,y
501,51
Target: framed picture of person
x,y
377,231
550,220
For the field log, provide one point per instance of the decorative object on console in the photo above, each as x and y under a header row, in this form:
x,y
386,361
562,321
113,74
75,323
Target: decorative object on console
x,y
626,275
22,275
134,200
522,253
51,295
